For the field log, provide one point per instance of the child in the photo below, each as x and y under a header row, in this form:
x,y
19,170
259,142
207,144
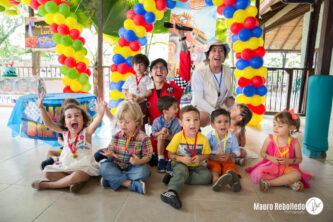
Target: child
x,y
224,149
139,87
229,103
187,149
165,127
282,155
76,162
53,155
240,116
128,152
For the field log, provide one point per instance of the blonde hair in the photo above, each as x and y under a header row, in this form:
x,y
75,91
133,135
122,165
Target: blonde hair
x,y
130,109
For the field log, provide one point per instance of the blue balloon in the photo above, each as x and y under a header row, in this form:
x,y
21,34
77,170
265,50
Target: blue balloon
x,y
249,90
130,35
143,40
239,90
118,59
229,11
256,62
139,9
256,32
234,38
121,32
171,4
114,103
149,17
242,4
209,2
242,64
116,85
129,61
244,34
261,91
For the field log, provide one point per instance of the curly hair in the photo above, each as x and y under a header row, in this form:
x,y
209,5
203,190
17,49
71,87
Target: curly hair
x,y
62,118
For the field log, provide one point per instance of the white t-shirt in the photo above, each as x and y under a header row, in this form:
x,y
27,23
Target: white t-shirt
x,y
146,83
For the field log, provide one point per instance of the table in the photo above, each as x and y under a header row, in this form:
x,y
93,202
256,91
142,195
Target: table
x,y
26,121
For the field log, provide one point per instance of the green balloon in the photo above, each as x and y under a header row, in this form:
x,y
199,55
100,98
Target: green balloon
x,y
83,78
64,70
85,51
56,38
77,45
73,73
2,8
66,40
42,11
51,7
72,14
64,9
86,87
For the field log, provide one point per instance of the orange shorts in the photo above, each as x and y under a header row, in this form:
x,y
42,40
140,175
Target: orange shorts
x,y
288,169
221,167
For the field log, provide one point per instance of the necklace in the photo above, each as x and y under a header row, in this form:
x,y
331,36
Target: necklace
x,y
278,147
218,83
220,144
72,148
195,144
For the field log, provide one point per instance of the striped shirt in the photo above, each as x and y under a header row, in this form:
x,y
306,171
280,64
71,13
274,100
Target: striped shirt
x,y
139,144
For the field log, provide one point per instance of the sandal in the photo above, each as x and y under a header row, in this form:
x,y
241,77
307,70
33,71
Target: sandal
x,y
235,184
76,187
297,186
264,185
36,184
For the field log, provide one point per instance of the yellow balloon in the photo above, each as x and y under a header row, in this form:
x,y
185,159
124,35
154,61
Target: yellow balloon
x,y
129,24
238,73
59,18
115,95
249,72
159,14
252,43
241,98
69,51
240,15
117,76
59,49
261,42
256,100
66,80
237,46
149,5
218,2
86,61
230,22
255,120
71,22
251,11
75,85
49,18
79,56
262,71
5,3
142,1
140,31
78,27
26,2
113,111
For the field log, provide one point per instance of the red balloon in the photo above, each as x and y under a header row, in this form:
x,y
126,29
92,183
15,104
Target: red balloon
x,y
220,9
70,62
54,28
251,22
58,2
161,5
114,68
183,1
123,68
81,67
257,81
67,89
61,59
247,54
238,55
242,82
34,4
82,40
236,27
122,42
261,109
260,51
131,70
74,34
14,2
139,20
88,72
229,2
135,45
149,27
130,14
65,3
42,2
63,29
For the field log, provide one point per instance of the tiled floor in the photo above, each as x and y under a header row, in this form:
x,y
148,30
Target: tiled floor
x,y
19,166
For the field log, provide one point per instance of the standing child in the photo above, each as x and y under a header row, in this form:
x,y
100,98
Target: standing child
x,y
224,149
76,162
165,127
282,155
128,152
187,149
240,116
140,86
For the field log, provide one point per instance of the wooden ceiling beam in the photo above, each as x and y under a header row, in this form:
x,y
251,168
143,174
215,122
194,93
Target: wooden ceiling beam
x,y
276,33
283,12
298,41
264,5
292,32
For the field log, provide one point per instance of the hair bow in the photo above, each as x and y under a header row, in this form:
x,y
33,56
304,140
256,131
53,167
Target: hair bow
x,y
292,113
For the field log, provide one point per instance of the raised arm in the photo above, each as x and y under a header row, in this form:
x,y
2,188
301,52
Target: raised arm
x,y
101,106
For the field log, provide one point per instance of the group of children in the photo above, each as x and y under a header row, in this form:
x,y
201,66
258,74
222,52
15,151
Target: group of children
x,y
191,157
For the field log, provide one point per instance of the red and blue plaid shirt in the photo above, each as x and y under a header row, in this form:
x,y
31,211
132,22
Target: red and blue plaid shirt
x,y
139,144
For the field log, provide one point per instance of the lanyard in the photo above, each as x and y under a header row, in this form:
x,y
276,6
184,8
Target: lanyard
x,y
235,129
72,148
218,83
278,148
138,81
162,122
195,144
128,141
220,144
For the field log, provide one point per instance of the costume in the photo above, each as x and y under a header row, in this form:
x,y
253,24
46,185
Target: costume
x,y
116,170
84,162
231,146
268,170
190,173
210,93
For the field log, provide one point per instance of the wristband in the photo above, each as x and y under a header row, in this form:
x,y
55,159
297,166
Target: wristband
x,y
182,39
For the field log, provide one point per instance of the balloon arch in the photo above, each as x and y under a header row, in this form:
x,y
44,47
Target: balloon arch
x,y
241,19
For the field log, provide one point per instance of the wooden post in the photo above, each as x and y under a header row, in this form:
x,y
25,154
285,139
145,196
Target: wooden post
x,y
35,56
290,83
100,80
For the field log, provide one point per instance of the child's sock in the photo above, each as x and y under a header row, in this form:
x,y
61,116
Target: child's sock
x,y
161,164
160,157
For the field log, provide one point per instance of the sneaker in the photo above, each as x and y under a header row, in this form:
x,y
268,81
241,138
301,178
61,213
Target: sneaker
x,y
171,197
138,186
240,161
153,160
235,183
104,184
222,181
98,156
48,161
167,178
168,167
76,187
161,166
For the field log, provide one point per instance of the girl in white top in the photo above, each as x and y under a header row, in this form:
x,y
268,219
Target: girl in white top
x,y
76,163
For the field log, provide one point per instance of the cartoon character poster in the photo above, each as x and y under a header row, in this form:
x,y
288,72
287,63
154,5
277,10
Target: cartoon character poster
x,y
202,19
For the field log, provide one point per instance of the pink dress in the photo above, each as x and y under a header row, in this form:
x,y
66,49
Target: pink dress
x,y
268,170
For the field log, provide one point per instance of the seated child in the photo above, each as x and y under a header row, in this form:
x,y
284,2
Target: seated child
x,y
229,103
240,116
140,86
225,148
128,152
187,149
281,156
76,162
165,127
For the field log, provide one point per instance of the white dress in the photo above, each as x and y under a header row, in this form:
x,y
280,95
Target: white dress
x,y
84,162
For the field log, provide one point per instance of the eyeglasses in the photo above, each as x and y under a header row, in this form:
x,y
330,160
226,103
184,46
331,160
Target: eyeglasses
x,y
159,67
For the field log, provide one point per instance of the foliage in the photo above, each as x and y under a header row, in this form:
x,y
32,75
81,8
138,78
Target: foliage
x,y
221,29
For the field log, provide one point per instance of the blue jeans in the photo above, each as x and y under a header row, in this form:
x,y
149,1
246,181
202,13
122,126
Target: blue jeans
x,y
114,176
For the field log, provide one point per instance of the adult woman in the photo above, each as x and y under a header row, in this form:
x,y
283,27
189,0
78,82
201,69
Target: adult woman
x,y
212,81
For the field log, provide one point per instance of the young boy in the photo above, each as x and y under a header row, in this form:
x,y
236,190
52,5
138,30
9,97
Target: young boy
x,y
240,116
165,127
187,150
229,104
224,148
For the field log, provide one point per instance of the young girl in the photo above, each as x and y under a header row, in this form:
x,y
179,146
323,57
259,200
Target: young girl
x,y
128,152
76,162
282,155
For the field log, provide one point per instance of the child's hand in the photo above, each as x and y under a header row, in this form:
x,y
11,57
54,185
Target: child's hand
x,y
108,113
100,106
225,157
196,159
40,101
275,160
284,160
134,159
186,159
131,97
108,153
166,134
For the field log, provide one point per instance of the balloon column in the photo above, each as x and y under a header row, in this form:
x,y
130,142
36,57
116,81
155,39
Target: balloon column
x,y
140,20
248,45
